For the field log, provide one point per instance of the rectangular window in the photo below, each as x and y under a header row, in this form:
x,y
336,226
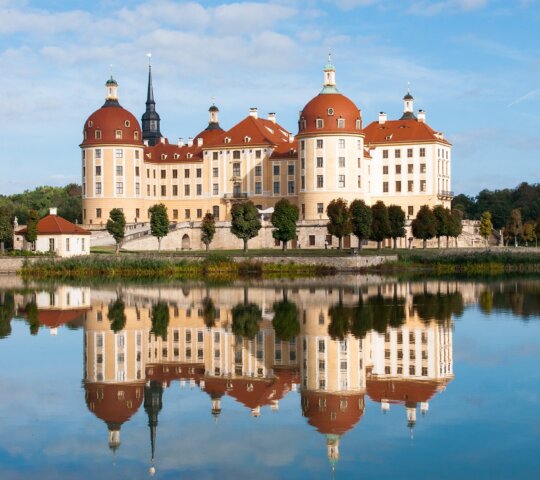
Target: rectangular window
x,y
199,189
258,170
385,154
341,143
397,153
186,190
137,188
199,212
215,189
119,188
236,155
276,170
163,190
214,155
398,169
385,187
290,169
320,181
302,163
187,213
319,162
175,190
422,185
148,190
175,214
215,172
410,168
163,174
119,170
422,152
385,170
410,186
136,154
359,181
409,153
341,181
98,188
118,153
236,170
186,173
137,172
67,244
290,186
341,162
319,123
98,152
199,172
215,212
98,212
303,182
98,170
319,143
258,188
320,208
422,168
312,240
137,213
398,187
276,187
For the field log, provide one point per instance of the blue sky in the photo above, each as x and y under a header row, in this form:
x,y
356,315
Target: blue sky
x,y
473,65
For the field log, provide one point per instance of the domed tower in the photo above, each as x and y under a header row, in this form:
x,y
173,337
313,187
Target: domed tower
x,y
331,149
112,162
408,107
150,120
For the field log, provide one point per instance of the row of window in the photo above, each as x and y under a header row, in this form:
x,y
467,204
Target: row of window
x,y
412,354
187,216
410,186
118,135
118,153
410,168
412,371
319,123
320,143
397,153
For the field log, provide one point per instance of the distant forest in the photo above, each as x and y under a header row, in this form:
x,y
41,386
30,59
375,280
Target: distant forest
x,y
500,203
67,199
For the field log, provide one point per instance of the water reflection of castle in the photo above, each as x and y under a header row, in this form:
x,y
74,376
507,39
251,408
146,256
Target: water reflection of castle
x,y
382,343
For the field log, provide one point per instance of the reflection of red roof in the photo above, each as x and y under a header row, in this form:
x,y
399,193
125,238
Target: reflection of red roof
x,y
332,413
109,119
400,131
54,318
114,403
254,392
402,391
55,225
165,373
216,387
330,107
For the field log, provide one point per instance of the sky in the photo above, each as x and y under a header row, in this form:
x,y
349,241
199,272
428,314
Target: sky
x,y
472,65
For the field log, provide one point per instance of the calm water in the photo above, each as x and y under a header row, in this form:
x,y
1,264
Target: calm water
x,y
351,377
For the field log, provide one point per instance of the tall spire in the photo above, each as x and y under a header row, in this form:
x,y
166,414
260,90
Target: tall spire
x,y
150,119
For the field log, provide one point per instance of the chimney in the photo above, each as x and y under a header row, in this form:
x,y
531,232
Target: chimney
x,y
199,142
272,117
382,118
253,112
53,211
190,142
146,142
291,138
180,142
421,116
162,139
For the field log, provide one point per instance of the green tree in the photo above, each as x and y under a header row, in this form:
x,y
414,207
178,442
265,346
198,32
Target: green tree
x,y
6,227
117,315
339,220
514,227
396,218
159,222
529,232
424,226
31,227
455,225
208,229
486,226
380,223
245,222
160,319
7,312
245,319
116,226
442,217
285,321
284,221
360,220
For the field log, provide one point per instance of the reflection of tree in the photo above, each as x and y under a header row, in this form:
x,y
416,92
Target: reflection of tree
x,y
245,319
438,306
485,302
117,315
361,320
285,320
7,311
209,312
160,319
31,310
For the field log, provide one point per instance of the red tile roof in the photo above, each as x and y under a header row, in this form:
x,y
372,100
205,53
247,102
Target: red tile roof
x,y
54,318
55,225
401,131
164,152
107,120
286,150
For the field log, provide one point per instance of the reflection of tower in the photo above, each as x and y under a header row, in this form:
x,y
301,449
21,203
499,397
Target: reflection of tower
x,y
153,403
332,443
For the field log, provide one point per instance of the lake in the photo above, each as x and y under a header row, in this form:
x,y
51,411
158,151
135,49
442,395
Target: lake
x,y
339,377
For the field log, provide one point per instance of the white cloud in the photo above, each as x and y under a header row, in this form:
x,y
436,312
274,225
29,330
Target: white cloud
x,y
425,7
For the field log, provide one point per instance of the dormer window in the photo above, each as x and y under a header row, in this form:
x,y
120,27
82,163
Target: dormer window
x,y
330,111
341,123
304,124
127,123
319,123
136,135
189,155
388,137
118,134
227,140
247,139
163,156
176,156
358,126
97,134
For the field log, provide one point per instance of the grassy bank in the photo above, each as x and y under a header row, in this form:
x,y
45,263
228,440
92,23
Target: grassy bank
x,y
469,262
214,267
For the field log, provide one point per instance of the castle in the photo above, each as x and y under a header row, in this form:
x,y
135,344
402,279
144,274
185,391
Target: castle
x,y
401,162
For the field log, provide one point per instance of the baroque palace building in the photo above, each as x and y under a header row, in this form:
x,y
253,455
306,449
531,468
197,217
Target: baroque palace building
x,y
403,162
